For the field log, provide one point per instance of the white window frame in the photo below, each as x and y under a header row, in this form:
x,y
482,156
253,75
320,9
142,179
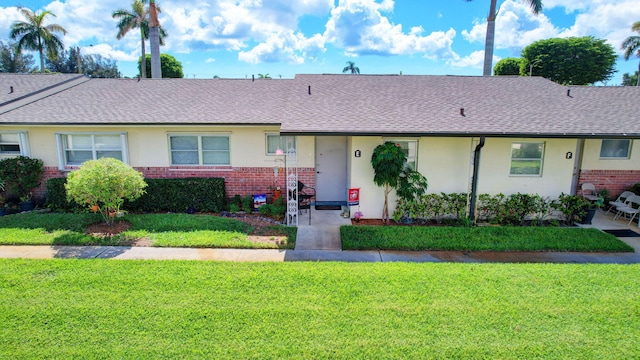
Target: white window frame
x,y
23,143
62,157
627,157
410,158
541,159
281,138
200,151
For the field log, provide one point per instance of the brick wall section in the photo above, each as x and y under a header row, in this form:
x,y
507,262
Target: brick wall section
x,y
240,180
616,181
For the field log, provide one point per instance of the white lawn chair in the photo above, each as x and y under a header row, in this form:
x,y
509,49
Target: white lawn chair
x,y
631,208
589,192
620,201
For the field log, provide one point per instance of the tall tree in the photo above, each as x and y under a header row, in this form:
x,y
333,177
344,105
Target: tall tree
x,y
92,65
13,61
154,40
536,8
351,68
571,61
171,67
631,45
137,18
630,79
34,35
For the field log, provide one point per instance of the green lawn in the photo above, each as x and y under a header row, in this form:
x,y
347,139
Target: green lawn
x,y
180,309
169,230
487,238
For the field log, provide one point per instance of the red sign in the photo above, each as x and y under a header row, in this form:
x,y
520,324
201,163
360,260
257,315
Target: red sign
x,y
354,196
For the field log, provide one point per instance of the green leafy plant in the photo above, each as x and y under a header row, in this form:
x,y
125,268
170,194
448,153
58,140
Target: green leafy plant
x,y
21,174
388,161
573,207
247,203
234,208
103,185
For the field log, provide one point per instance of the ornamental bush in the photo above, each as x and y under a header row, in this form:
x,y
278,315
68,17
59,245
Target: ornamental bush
x,y
103,185
21,174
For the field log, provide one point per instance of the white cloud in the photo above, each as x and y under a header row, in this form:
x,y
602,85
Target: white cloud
x,y
473,60
359,27
285,46
516,27
210,60
8,16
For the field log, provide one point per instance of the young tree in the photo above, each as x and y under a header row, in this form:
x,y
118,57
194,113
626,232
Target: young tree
x,y
103,185
388,161
170,66
34,35
571,61
508,66
631,45
13,61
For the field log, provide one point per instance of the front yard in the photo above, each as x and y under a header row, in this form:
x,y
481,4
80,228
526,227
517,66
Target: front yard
x,y
167,230
181,309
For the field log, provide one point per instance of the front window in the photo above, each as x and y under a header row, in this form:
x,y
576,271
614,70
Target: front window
x,y
276,142
199,149
410,150
615,149
75,149
13,144
526,158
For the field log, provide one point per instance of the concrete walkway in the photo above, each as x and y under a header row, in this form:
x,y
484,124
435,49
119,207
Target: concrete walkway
x,y
320,241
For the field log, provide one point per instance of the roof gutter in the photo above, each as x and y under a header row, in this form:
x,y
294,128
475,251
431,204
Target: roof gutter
x,y
474,180
627,135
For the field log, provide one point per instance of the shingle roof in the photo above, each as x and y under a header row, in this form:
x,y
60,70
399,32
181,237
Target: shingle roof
x,y
350,104
20,89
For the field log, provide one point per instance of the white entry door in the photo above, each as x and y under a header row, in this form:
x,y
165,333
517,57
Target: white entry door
x,y
331,168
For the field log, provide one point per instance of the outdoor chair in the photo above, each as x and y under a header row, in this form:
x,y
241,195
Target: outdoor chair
x,y
304,195
631,208
620,201
589,192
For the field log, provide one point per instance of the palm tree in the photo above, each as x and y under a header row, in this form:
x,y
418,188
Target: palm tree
x,y
351,68
154,40
264,76
536,8
631,45
137,18
34,35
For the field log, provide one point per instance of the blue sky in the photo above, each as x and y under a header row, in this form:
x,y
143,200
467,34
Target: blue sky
x,y
238,38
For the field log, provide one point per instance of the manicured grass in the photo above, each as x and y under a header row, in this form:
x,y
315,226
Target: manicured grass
x,y
170,230
180,309
488,238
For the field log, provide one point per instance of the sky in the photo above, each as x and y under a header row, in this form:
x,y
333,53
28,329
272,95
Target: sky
x,y
241,38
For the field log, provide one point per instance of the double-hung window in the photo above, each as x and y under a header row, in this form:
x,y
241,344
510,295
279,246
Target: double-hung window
x,y
200,149
526,158
276,142
13,144
76,148
615,149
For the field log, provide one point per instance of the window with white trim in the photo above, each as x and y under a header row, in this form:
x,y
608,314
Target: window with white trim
x,y
410,150
200,149
76,148
276,142
615,149
13,144
526,158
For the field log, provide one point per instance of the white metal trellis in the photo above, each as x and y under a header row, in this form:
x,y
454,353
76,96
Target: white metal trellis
x,y
291,167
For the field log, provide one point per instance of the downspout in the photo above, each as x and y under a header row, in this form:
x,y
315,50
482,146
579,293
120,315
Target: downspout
x,y
474,180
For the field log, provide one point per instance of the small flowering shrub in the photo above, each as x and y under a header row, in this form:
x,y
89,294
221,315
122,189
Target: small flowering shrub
x,y
103,185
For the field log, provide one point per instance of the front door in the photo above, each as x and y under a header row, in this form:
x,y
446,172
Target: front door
x,y
331,169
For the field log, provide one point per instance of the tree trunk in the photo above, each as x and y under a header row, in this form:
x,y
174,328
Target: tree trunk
x,y
489,40
143,62
385,209
41,51
154,40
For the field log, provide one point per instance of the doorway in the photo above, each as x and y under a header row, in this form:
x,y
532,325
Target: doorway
x,y
331,170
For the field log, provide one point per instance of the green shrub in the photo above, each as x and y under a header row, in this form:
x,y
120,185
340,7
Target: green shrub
x,y
21,174
635,189
247,203
103,185
56,196
573,207
178,195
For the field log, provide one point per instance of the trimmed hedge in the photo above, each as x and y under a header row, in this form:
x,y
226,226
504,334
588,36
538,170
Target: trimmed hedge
x,y
176,195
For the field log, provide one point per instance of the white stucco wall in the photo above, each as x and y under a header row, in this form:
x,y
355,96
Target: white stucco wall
x,y
591,157
445,162
149,145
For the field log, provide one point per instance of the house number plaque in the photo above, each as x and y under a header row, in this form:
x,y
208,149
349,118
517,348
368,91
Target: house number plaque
x,y
358,153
